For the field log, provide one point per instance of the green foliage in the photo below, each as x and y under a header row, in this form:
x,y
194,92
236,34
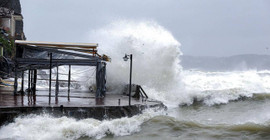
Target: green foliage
x,y
8,46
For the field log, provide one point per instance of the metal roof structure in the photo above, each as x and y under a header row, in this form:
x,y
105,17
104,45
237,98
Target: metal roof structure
x,y
31,53
34,55
58,44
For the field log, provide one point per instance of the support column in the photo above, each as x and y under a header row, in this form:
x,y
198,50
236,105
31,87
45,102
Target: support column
x,y
16,72
56,85
22,84
35,82
15,80
101,79
50,82
98,82
130,80
29,81
35,86
69,74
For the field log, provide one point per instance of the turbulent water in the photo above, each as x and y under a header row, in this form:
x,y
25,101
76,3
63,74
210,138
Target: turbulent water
x,y
201,104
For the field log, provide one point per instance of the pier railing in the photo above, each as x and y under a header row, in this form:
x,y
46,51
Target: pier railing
x,y
141,92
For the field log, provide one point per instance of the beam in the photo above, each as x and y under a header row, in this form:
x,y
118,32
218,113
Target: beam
x,y
87,62
82,45
53,50
68,48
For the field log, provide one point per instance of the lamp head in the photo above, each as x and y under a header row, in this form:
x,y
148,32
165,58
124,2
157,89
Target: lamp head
x,y
125,57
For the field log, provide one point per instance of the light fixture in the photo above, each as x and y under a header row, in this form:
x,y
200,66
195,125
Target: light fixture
x,y
125,57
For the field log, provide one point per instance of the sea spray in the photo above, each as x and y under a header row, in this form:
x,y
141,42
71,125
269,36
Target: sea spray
x,y
221,87
155,53
44,127
157,67
155,56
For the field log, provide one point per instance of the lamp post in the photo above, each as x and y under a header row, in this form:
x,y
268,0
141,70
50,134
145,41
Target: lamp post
x,y
126,57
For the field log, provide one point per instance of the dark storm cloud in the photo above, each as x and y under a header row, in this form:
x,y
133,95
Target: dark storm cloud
x,y
204,27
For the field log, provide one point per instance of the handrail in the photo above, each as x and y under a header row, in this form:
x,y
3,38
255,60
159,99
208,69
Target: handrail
x,y
142,91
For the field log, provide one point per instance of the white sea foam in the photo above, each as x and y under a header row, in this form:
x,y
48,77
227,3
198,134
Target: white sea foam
x,y
222,87
45,127
155,53
215,87
157,67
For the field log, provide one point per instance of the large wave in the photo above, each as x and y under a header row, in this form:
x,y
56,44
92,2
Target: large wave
x,y
155,53
221,87
157,68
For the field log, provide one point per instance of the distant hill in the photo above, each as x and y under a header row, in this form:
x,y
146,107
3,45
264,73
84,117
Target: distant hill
x,y
236,62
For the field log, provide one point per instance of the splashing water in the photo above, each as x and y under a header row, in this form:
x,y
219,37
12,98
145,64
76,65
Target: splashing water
x,y
155,56
155,53
157,68
46,127
222,87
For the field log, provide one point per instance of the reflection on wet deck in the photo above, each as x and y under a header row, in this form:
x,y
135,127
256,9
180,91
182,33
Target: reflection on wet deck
x,y
77,99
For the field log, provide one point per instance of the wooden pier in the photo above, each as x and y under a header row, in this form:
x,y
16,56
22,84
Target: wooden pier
x,y
80,105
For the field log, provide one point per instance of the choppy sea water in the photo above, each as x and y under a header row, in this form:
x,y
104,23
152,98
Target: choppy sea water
x,y
245,118
201,105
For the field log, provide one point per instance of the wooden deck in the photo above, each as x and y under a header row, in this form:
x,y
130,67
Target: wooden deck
x,y
77,99
82,104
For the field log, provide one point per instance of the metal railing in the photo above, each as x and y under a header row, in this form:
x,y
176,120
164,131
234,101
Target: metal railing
x,y
142,92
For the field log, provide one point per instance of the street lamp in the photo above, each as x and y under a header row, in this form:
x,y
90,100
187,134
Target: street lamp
x,y
126,57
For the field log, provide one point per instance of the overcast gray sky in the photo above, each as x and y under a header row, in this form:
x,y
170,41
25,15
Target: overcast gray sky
x,y
203,27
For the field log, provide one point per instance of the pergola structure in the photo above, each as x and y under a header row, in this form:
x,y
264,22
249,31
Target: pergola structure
x,y
34,55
